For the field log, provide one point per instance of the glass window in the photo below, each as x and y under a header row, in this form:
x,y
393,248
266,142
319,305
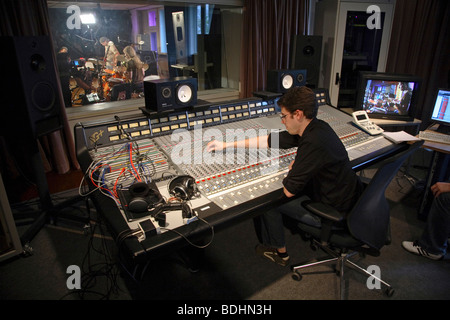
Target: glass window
x,y
152,18
107,57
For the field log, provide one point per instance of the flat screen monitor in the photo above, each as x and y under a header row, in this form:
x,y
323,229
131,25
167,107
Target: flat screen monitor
x,y
388,96
441,110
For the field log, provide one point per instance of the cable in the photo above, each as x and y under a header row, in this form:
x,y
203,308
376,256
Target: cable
x,y
190,242
184,206
94,274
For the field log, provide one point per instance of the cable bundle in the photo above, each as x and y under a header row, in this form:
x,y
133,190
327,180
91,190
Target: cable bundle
x,y
118,169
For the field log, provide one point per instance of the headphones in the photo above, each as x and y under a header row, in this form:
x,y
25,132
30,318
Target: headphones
x,y
142,197
183,187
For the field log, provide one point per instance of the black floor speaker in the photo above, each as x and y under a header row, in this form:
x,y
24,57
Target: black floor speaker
x,y
29,87
280,81
306,54
168,94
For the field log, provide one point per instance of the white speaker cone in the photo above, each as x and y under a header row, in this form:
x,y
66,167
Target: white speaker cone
x,y
184,93
287,81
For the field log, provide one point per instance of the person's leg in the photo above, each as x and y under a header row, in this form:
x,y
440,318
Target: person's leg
x,y
437,230
272,229
433,242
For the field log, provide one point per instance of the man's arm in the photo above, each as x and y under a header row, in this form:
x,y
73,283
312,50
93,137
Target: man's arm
x,y
254,142
287,193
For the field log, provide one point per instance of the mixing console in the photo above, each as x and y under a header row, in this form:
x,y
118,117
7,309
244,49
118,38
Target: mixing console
x,y
159,147
222,175
357,142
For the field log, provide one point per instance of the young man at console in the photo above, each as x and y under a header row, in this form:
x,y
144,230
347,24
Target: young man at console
x,y
321,169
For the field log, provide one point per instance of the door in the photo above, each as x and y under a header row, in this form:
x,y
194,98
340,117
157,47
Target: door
x,y
361,43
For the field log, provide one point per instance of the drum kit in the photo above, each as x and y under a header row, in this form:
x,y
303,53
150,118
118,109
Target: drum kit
x,y
103,80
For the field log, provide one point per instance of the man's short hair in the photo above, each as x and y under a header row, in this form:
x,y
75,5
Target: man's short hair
x,y
300,98
104,39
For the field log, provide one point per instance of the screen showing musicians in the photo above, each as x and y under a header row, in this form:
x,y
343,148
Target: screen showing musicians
x,y
388,97
114,76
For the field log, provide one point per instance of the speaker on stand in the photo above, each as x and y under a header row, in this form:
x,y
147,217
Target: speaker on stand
x,y
32,104
169,94
280,81
306,54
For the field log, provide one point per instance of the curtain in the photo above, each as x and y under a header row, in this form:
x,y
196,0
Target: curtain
x,y
30,18
420,46
268,29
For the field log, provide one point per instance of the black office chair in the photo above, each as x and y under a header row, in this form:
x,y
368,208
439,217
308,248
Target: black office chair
x,y
366,228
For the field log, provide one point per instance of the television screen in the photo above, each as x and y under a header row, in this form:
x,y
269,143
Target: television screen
x,y
388,96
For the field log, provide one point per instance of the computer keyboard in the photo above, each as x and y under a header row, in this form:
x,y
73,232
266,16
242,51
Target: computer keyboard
x,y
434,136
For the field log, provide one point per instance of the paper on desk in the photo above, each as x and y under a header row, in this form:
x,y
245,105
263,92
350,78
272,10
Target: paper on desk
x,y
399,136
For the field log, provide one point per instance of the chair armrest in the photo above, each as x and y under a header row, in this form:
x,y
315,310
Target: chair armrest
x,y
323,211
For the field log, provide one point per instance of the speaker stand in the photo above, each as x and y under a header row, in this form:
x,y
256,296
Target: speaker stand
x,y
48,210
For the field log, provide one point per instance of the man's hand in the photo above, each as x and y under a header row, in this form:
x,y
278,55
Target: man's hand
x,y
215,146
440,187
291,164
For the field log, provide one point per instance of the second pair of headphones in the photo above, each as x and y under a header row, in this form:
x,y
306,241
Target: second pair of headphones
x,y
183,187
142,197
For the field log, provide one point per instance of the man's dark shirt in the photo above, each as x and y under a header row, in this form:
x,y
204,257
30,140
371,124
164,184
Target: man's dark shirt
x,y
321,169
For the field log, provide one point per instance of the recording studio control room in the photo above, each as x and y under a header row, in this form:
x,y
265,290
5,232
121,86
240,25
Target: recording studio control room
x,y
226,158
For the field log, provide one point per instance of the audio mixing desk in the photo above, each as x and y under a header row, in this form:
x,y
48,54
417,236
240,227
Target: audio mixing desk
x,y
229,186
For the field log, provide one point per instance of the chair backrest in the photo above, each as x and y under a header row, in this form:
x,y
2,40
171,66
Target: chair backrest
x,y
368,221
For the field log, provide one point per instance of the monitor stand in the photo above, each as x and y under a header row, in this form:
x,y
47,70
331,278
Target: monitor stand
x,y
443,129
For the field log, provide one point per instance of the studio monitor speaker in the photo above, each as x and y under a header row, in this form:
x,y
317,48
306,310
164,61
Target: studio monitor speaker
x,y
280,81
168,94
29,87
306,54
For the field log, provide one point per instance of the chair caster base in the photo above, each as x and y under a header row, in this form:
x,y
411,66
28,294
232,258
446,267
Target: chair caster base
x,y
389,292
296,276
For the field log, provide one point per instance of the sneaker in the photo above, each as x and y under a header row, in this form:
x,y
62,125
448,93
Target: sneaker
x,y
272,255
416,249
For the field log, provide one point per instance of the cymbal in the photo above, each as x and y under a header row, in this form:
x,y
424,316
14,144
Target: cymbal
x,y
101,74
95,60
116,80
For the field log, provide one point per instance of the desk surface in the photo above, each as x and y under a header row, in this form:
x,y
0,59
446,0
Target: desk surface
x,y
385,122
436,146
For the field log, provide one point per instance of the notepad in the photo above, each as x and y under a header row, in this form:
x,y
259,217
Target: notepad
x,y
400,136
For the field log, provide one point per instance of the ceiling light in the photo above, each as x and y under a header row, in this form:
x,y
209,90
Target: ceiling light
x,y
87,18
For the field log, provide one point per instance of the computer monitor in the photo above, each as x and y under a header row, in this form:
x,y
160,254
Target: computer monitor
x,y
387,95
441,110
